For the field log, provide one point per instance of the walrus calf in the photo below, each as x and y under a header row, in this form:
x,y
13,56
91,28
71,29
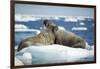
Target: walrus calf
x,y
66,38
46,37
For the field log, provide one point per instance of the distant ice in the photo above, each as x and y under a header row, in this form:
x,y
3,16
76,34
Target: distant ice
x,y
23,28
82,23
25,18
30,30
56,18
54,54
62,28
81,18
71,19
79,28
50,17
20,26
76,18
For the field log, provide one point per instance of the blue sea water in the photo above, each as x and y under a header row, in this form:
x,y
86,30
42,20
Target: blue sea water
x,y
22,35
86,34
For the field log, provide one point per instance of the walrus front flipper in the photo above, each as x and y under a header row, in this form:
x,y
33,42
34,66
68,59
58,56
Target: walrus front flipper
x,y
23,45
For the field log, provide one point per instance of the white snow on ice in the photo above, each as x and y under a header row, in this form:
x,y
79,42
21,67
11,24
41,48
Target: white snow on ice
x,y
25,18
20,26
23,28
18,62
79,28
82,23
61,28
71,19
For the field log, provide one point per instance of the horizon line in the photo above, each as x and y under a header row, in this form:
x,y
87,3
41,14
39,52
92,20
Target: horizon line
x,y
50,15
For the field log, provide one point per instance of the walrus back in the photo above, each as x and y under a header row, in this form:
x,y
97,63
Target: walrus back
x,y
68,38
44,38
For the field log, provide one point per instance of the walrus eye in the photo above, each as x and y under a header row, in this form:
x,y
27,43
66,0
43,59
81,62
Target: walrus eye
x,y
45,22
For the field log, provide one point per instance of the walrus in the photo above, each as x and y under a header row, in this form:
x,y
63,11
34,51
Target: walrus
x,y
46,37
65,38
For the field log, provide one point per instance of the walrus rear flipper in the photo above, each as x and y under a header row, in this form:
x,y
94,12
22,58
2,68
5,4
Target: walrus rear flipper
x,y
79,45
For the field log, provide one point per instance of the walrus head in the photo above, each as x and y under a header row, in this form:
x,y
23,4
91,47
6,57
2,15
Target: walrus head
x,y
50,25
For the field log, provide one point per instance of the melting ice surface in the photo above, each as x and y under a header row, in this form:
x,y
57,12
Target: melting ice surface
x,y
53,54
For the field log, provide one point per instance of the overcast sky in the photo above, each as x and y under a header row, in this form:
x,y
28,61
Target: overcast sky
x,y
53,10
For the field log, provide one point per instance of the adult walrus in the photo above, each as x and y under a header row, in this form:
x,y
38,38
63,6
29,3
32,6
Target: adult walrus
x,y
46,37
66,38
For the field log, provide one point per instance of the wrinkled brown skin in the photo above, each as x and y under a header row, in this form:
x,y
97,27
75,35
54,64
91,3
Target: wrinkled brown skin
x,y
46,37
69,39
66,38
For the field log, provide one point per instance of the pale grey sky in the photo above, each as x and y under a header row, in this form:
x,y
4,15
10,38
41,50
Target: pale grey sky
x,y
53,10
